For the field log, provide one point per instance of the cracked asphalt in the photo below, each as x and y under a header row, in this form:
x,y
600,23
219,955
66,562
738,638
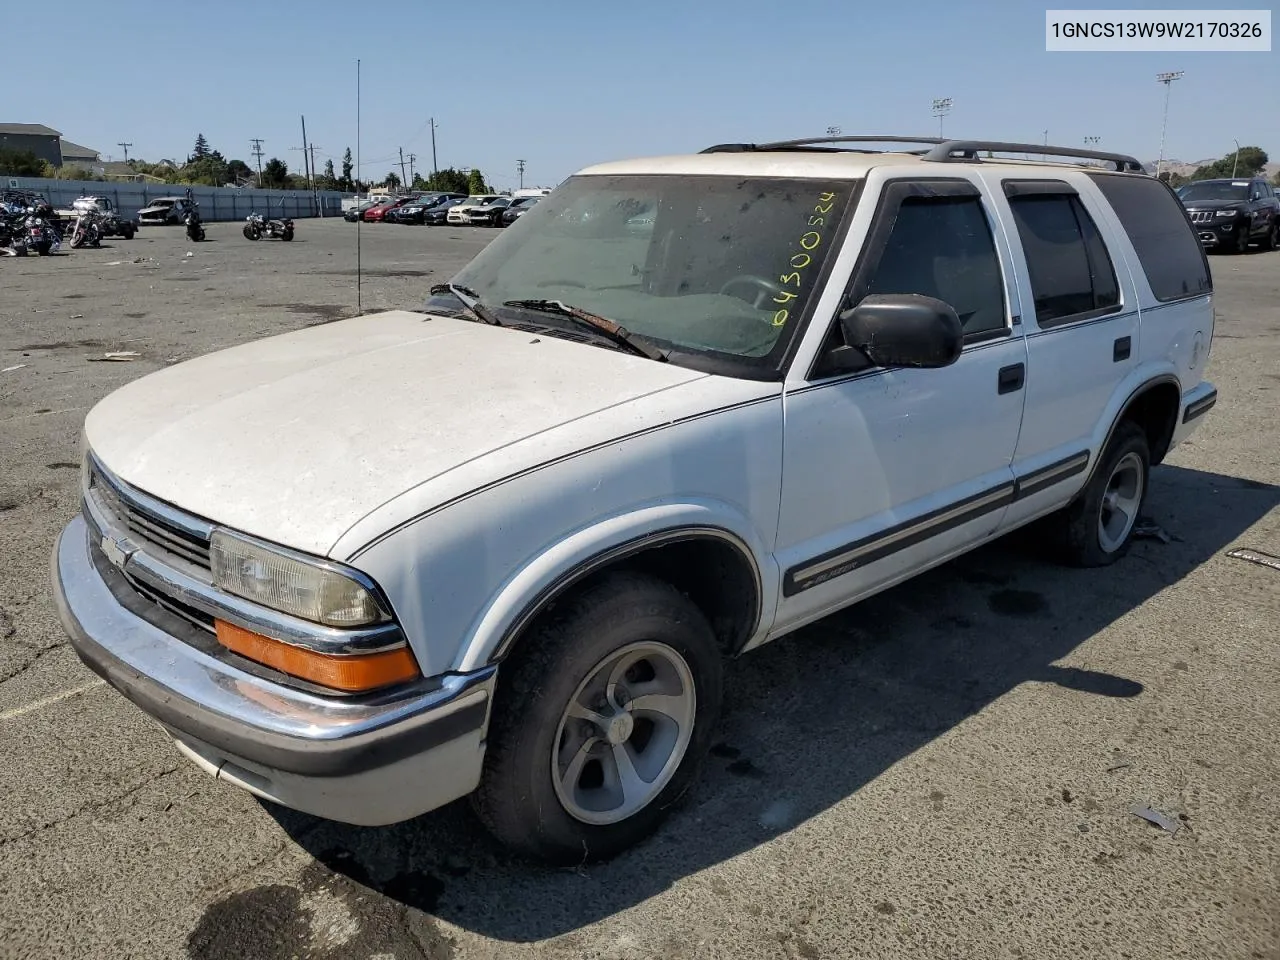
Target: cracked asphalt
x,y
947,770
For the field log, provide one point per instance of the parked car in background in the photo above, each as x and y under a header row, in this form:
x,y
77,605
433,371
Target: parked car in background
x,y
378,214
489,214
414,212
164,211
1231,214
517,208
462,213
438,215
352,214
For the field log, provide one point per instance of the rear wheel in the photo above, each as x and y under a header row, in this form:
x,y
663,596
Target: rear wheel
x,y
1272,240
287,234
1242,240
1097,529
126,231
601,720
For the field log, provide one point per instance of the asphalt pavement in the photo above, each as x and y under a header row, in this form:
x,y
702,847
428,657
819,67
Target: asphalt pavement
x,y
947,770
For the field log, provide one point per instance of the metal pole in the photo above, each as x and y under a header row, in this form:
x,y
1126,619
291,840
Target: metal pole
x,y
1236,162
1167,79
359,304
434,169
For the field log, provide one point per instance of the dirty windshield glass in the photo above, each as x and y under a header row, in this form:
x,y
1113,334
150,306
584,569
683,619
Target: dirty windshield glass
x,y
719,266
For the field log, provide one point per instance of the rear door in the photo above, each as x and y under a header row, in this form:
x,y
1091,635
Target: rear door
x,y
1080,312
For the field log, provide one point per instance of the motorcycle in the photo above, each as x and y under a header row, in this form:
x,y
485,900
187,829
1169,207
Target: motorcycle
x,y
195,229
87,229
38,235
257,226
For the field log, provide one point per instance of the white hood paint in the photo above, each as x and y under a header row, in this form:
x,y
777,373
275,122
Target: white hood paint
x,y
295,438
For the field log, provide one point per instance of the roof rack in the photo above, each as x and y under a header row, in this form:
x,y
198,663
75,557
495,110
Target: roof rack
x,y
813,141
953,151
938,149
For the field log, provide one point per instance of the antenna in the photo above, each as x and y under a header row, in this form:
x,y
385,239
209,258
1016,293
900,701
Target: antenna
x,y
359,303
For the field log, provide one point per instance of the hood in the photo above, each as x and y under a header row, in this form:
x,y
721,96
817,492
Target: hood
x,y
1213,204
296,437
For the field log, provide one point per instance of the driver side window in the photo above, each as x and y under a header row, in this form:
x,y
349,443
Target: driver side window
x,y
938,246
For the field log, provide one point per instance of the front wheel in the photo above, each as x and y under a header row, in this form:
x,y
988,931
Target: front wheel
x,y
601,721
126,231
286,234
1097,530
1242,241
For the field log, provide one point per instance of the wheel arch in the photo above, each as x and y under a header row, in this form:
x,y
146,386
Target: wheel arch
x,y
711,564
1154,404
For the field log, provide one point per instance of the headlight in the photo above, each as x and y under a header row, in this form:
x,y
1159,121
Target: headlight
x,y
1227,213
290,583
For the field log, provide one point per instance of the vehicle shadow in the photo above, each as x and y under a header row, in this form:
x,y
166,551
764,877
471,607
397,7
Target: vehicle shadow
x,y
812,718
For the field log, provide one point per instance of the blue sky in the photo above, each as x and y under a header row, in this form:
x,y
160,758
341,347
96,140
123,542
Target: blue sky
x,y
567,84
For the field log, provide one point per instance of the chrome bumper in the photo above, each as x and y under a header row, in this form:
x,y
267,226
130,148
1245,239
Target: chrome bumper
x,y
265,731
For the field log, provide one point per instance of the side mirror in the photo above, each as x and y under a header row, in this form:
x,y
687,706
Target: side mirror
x,y
904,330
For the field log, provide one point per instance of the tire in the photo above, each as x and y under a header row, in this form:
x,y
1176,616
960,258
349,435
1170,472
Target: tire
x,y
77,239
286,235
1272,241
618,618
126,231
44,248
1242,241
1090,537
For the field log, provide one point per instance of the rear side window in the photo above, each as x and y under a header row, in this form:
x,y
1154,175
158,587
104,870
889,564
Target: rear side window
x,y
1165,241
1071,273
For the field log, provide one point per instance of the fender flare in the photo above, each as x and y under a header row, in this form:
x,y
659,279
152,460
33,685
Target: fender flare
x,y
1148,383
546,575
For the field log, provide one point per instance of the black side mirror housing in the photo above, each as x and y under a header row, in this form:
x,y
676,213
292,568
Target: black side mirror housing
x,y
904,330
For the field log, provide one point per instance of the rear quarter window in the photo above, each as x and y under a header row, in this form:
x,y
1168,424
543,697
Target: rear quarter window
x,y
1166,243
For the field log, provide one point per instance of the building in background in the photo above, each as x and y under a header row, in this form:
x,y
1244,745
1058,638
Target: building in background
x,y
75,155
44,142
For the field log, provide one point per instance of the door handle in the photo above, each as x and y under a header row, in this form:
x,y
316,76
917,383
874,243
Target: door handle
x,y
1121,350
1011,378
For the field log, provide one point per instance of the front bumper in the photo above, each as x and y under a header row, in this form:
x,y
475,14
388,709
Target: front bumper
x,y
369,760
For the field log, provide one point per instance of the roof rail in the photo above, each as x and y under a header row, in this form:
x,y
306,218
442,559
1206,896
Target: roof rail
x,y
938,149
813,141
953,151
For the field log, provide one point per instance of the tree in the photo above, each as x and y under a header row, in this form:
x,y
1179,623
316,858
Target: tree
x,y
347,167
449,180
327,180
20,163
201,149
392,180
238,170
275,174
1247,162
476,184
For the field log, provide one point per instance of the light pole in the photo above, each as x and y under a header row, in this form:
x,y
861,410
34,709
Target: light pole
x,y
941,107
1091,141
833,131
434,169
1167,79
1235,162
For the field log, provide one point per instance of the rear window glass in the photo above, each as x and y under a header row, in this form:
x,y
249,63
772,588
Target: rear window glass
x,y
1165,241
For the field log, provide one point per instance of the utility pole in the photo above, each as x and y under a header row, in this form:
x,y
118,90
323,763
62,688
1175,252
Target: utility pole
x,y
257,152
412,175
1167,79
315,183
126,147
520,168
434,169
1236,160
402,180
941,107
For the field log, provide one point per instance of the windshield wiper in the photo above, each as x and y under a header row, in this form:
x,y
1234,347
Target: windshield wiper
x,y
610,330
469,299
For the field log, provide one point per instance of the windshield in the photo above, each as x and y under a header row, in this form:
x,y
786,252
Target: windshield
x,y
1215,190
715,266
163,203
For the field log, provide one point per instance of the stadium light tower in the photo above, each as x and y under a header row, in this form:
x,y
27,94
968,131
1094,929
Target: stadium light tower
x,y
941,108
1167,79
833,131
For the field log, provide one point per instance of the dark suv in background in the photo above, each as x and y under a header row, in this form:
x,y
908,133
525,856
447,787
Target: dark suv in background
x,y
1232,214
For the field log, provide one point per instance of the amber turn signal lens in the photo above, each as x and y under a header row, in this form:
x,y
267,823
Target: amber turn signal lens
x,y
350,673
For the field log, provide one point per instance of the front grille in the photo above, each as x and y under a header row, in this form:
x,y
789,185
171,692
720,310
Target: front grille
x,y
1202,216
167,539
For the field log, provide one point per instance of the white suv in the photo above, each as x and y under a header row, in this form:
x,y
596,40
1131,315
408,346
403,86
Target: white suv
x,y
500,548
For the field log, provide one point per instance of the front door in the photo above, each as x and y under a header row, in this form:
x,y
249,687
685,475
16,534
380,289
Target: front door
x,y
887,471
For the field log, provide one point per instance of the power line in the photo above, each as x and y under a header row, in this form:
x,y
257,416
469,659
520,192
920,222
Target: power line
x,y
126,150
